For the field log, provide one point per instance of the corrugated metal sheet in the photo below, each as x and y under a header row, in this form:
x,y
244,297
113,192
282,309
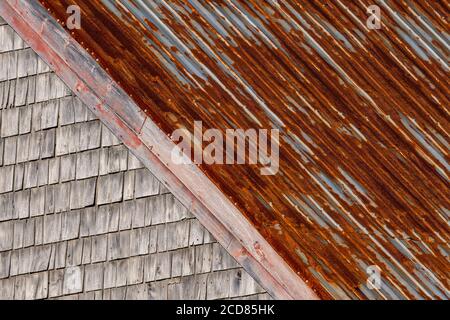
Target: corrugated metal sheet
x,y
363,117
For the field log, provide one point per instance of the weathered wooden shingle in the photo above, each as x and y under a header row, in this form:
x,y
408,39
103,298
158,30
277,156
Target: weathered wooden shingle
x,y
109,188
6,178
87,164
93,277
22,204
55,283
52,228
62,196
67,165
5,260
109,275
59,251
37,257
177,235
49,114
66,111
216,283
74,252
73,280
30,174
82,193
47,143
135,270
6,235
145,184
25,119
19,226
37,201
122,248
6,206
36,286
108,138
89,135
10,122
99,248
10,147
42,172
165,208
70,225
7,36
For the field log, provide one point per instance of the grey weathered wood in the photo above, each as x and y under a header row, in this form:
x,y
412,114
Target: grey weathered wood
x,y
62,197
42,172
19,226
25,119
93,277
47,143
6,235
37,201
10,147
82,193
145,184
52,228
215,283
87,164
128,185
60,251
36,286
55,285
99,248
74,252
70,225
49,114
5,260
22,204
10,122
6,178
73,280
30,174
135,270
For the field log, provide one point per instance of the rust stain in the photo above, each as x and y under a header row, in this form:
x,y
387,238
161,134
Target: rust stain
x,y
363,119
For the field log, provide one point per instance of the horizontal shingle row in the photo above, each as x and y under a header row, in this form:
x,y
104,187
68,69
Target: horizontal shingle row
x,y
20,63
32,89
47,114
161,261
34,166
88,283
128,273
9,39
33,220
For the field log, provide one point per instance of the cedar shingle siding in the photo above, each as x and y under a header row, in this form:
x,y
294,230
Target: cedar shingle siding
x,y
80,217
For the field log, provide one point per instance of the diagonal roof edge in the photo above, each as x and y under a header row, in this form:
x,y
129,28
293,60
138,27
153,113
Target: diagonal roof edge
x,y
119,113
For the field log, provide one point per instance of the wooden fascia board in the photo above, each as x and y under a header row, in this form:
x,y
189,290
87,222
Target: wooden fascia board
x,y
122,116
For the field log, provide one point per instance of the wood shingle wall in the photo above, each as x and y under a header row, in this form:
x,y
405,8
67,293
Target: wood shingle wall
x,y
80,217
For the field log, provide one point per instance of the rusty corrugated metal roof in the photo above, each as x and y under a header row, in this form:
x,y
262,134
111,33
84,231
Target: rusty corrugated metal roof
x,y
363,119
